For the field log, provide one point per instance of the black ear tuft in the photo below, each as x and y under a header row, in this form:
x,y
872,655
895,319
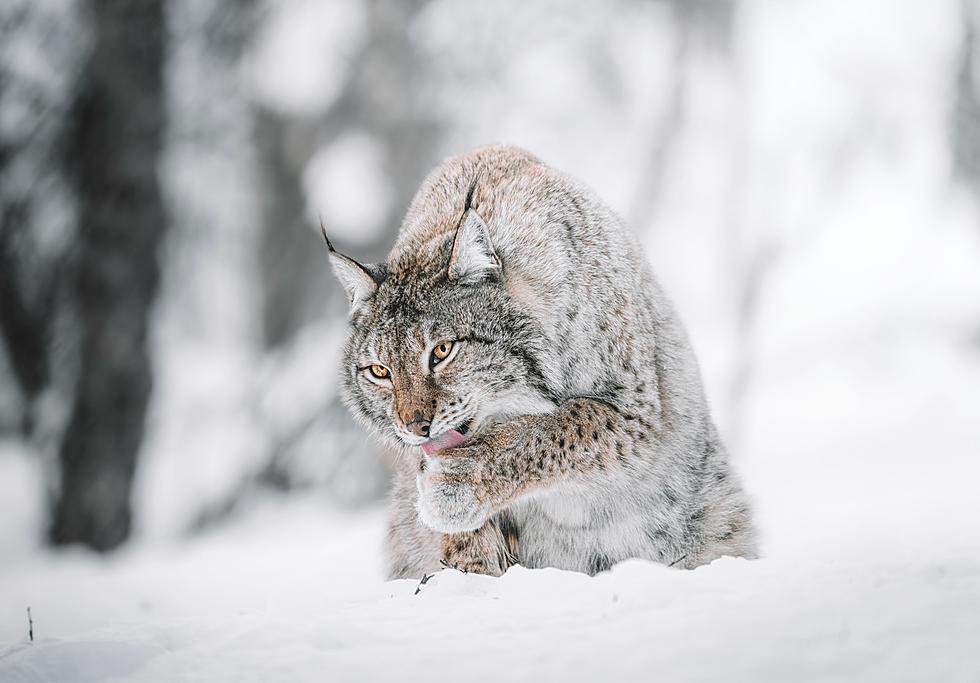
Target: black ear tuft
x,y
473,258
326,239
358,280
469,196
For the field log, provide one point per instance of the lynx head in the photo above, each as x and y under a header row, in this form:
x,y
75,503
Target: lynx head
x,y
436,349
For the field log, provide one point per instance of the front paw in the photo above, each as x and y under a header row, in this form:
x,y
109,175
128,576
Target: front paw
x,y
484,551
451,499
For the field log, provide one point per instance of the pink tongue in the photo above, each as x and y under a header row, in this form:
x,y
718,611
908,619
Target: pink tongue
x,y
449,439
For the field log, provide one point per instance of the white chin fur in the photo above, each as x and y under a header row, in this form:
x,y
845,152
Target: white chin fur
x,y
412,440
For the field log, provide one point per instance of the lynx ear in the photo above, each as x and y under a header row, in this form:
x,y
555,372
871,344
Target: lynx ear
x,y
473,258
358,280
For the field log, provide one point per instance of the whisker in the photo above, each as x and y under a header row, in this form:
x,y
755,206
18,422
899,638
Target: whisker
x,y
450,421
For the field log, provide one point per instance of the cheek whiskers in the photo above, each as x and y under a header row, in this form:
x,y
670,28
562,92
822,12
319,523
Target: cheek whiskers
x,y
453,419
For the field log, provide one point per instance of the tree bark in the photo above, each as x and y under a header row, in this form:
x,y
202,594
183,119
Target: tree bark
x,y
965,136
35,203
118,123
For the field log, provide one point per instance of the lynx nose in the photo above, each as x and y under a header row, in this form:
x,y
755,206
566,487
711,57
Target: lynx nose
x,y
419,426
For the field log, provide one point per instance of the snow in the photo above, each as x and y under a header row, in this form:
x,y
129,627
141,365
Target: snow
x,y
21,508
293,591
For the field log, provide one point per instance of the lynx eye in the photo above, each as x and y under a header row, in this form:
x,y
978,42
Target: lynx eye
x,y
441,352
379,371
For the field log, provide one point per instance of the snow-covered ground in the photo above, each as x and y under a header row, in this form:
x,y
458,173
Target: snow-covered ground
x,y
292,593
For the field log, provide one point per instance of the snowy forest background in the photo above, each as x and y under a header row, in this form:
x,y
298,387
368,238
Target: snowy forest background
x,y
805,177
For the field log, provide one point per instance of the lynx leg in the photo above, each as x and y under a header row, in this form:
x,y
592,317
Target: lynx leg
x,y
491,549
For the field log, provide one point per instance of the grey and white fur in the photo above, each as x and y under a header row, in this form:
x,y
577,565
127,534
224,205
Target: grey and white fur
x,y
516,308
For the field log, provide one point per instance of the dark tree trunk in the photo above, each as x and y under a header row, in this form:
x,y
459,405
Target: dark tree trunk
x,y
24,320
291,268
114,277
34,201
966,106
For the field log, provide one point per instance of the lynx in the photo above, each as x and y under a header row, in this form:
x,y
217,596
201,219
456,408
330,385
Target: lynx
x,y
544,398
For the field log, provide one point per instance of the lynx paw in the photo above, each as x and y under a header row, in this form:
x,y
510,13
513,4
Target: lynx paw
x,y
477,552
449,499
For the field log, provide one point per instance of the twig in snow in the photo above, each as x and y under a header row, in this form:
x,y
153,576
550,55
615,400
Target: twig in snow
x,y
425,580
30,625
682,557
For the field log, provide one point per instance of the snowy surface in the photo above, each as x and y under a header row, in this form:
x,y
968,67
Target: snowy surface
x,y
252,605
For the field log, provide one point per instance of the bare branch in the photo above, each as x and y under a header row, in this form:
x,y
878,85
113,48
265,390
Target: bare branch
x,y
425,580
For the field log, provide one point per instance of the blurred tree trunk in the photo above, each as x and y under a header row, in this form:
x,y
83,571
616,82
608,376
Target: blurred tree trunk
x,y
699,26
35,200
114,277
966,107
25,319
291,265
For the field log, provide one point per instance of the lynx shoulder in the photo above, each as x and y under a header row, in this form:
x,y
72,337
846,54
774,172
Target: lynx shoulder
x,y
543,395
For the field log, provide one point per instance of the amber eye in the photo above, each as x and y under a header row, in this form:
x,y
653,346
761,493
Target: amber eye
x,y
441,350
379,371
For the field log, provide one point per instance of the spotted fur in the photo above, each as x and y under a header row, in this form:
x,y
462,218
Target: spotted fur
x,y
591,439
